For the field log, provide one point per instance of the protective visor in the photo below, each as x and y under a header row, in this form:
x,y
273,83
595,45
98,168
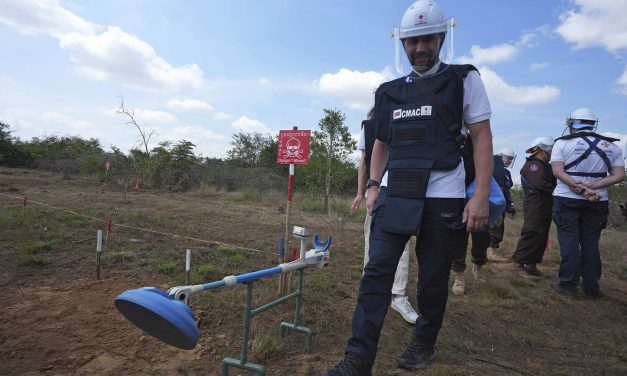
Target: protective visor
x,y
401,61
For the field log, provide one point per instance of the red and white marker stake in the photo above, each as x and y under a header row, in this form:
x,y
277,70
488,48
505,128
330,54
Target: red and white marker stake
x,y
188,263
98,252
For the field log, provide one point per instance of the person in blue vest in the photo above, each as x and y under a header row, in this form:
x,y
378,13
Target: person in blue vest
x,y
400,302
417,186
585,164
538,183
503,160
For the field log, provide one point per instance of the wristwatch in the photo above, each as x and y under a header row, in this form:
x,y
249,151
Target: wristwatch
x,y
372,183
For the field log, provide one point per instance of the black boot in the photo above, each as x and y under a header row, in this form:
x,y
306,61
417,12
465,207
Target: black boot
x,y
351,365
416,356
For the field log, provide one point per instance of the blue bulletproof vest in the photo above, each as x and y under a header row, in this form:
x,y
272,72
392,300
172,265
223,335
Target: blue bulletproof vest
x,y
418,140
415,129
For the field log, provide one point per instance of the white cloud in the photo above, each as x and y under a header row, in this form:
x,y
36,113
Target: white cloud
x,y
43,17
143,115
121,57
66,121
248,125
189,104
355,88
222,116
490,55
596,23
622,82
112,55
500,52
499,90
194,134
263,81
538,66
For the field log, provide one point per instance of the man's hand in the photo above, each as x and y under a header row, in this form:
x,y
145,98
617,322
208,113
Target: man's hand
x,y
589,193
476,213
356,203
592,195
373,193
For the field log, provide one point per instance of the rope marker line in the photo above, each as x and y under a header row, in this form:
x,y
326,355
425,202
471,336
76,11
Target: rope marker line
x,y
109,225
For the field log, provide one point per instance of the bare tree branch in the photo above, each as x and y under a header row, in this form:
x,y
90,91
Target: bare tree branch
x,y
144,134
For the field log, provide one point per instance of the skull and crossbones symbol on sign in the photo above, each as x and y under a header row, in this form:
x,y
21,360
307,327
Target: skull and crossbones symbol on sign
x,y
293,149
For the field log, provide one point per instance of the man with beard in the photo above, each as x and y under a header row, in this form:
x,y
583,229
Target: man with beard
x,y
417,186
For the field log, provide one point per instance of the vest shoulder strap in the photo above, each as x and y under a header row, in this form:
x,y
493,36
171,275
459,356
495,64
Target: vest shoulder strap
x,y
591,134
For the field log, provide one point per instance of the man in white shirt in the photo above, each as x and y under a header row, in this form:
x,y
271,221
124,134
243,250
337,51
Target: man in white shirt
x,y
400,302
423,189
585,164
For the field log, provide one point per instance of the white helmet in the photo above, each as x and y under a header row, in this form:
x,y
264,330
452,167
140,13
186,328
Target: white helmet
x,y
509,153
541,143
582,118
423,17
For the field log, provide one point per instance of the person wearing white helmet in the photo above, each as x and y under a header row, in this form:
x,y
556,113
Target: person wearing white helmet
x,y
585,164
417,186
538,183
503,160
508,156
400,302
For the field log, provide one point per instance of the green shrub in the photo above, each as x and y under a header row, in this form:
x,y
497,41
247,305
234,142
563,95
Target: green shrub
x,y
205,273
237,258
36,247
119,257
166,267
33,261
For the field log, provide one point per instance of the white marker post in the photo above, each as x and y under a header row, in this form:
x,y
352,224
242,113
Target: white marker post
x,y
98,252
188,262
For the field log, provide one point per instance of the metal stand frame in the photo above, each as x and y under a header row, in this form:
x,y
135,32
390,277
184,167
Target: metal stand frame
x,y
249,312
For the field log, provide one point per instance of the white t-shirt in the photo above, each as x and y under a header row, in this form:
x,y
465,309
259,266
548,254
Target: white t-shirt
x,y
451,184
569,150
361,144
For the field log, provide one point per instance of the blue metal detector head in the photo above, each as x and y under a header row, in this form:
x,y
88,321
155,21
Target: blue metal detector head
x,y
159,315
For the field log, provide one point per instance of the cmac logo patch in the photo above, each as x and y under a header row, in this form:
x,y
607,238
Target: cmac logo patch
x,y
412,112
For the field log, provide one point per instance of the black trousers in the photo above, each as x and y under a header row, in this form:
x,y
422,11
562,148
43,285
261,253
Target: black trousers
x,y
478,250
496,232
442,239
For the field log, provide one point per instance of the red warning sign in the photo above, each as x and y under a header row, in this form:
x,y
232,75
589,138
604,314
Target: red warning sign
x,y
293,147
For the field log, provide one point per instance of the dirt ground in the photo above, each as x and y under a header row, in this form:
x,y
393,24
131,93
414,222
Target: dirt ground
x,y
56,318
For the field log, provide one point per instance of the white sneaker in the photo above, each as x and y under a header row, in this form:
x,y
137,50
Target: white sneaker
x,y
459,285
402,305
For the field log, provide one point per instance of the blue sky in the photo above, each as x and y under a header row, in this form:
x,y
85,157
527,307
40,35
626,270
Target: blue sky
x,y
202,70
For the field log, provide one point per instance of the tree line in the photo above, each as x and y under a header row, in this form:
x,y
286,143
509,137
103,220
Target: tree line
x,y
250,163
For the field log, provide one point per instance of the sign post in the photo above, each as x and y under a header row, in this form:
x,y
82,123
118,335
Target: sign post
x,y
107,167
293,148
